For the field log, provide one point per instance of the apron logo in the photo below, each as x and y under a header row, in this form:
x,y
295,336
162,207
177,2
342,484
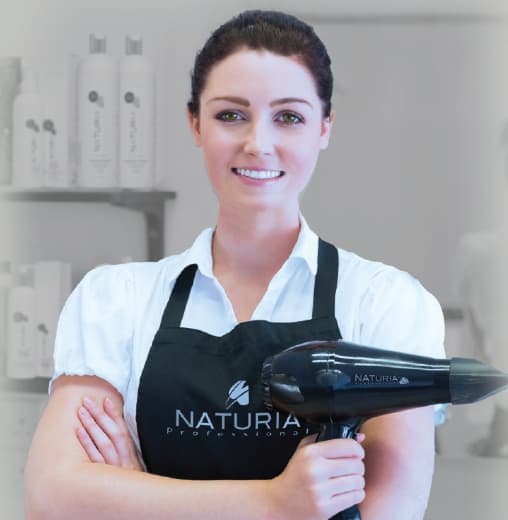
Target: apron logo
x,y
238,393
240,424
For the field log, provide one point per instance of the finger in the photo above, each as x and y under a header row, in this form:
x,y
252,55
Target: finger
x,y
309,439
360,437
344,501
113,411
112,428
98,436
350,466
338,448
107,423
88,445
340,485
122,439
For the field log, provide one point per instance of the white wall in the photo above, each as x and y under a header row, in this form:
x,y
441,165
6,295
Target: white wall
x,y
416,150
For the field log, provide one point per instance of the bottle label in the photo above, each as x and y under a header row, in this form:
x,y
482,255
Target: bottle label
x,y
97,139
134,137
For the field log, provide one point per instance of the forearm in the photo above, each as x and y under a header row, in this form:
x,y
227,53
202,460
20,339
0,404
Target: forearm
x,y
61,482
399,466
101,491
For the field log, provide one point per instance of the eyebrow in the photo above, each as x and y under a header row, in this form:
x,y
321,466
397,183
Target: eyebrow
x,y
245,102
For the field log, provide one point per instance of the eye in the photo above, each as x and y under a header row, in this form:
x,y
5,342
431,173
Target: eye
x,y
229,116
289,118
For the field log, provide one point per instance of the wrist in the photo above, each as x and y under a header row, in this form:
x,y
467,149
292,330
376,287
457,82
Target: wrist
x,y
273,500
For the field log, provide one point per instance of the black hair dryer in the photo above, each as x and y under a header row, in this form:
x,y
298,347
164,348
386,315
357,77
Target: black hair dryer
x,y
339,385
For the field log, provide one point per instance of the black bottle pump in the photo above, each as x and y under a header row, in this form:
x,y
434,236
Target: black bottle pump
x,y
340,385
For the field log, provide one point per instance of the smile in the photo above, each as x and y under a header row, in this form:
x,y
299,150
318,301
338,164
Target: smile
x,y
258,174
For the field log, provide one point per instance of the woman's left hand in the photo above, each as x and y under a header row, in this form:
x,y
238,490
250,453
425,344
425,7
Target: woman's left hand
x,y
104,435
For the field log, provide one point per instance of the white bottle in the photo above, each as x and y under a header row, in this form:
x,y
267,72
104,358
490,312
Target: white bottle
x,y
97,109
6,282
52,280
27,113
137,117
55,174
21,354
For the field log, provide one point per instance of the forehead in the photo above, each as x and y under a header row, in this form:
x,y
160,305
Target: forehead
x,y
248,71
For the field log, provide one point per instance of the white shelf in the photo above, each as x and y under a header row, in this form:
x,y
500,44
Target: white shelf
x,y
149,202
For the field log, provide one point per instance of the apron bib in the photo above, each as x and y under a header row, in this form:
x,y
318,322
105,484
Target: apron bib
x,y
200,412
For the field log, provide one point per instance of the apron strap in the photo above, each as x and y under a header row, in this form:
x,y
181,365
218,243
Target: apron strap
x,y
325,284
173,313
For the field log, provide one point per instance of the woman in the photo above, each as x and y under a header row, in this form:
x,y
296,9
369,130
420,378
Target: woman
x,y
178,344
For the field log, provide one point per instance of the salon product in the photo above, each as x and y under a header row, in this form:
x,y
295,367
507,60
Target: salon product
x,y
27,116
52,283
54,173
97,98
137,99
6,282
58,86
21,354
10,73
340,385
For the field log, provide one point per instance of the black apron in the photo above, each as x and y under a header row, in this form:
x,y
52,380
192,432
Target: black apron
x,y
200,412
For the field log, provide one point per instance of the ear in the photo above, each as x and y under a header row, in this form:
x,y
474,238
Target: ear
x,y
194,126
326,129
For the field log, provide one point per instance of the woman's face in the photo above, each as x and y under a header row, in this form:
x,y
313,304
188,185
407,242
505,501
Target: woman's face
x,y
261,129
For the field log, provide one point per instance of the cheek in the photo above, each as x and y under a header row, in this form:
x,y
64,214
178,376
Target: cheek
x,y
305,155
215,148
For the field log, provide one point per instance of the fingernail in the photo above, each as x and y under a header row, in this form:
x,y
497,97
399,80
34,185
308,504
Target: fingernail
x,y
108,402
88,401
83,411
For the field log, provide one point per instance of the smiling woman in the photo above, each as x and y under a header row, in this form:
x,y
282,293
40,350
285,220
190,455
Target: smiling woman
x,y
260,118
157,365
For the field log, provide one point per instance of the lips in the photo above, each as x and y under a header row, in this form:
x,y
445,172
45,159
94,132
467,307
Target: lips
x,y
258,174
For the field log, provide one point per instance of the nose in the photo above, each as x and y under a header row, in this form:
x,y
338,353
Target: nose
x,y
259,139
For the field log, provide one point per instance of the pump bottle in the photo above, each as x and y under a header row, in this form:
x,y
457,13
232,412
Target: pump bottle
x,y
6,282
137,100
97,111
27,114
21,354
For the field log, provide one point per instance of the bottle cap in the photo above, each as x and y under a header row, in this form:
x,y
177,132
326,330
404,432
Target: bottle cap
x,y
133,45
25,274
97,44
28,80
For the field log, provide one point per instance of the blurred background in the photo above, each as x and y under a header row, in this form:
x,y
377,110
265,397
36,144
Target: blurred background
x,y
415,176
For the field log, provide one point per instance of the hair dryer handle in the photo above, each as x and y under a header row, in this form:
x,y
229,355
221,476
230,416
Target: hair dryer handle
x,y
344,430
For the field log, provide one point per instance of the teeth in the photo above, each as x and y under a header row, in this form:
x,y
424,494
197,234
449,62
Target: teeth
x,y
258,174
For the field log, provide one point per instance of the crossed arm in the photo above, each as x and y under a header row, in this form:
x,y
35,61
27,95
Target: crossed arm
x,y
83,464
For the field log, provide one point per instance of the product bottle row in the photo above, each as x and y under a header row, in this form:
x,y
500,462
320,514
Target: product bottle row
x,y
102,137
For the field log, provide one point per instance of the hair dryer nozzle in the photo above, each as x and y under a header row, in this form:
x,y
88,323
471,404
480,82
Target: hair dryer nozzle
x,y
471,380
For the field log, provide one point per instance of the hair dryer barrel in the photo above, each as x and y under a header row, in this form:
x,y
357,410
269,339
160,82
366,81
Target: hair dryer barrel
x,y
336,380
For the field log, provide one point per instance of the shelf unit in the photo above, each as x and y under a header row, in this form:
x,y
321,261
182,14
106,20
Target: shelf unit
x,y
149,202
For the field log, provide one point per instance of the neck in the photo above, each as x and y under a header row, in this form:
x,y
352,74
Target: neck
x,y
254,243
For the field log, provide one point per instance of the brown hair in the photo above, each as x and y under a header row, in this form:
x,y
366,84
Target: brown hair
x,y
273,31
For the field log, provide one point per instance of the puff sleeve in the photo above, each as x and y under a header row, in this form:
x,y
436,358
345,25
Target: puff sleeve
x,y
400,314
95,329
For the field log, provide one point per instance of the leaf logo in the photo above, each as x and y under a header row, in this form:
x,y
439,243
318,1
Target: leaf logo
x,y
403,381
238,393
19,317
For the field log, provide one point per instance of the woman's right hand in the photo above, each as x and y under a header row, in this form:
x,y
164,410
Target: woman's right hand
x,y
320,480
104,435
